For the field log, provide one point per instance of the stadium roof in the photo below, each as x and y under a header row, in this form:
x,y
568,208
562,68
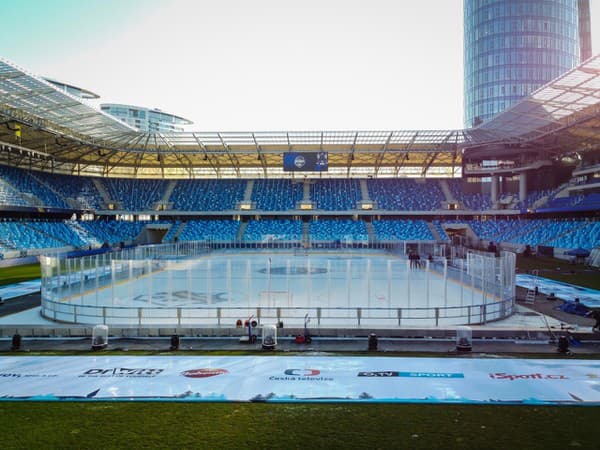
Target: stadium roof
x,y
551,105
61,132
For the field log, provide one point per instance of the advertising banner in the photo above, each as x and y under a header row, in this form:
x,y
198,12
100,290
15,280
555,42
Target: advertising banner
x,y
300,379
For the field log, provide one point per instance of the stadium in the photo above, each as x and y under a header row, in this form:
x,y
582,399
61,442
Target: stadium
x,y
406,239
223,226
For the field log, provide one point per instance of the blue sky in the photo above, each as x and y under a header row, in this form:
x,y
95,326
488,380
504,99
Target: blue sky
x,y
255,65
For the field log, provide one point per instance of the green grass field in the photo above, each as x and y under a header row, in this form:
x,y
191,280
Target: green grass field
x,y
16,274
290,426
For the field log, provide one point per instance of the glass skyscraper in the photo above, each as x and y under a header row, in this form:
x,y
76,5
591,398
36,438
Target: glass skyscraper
x,y
512,47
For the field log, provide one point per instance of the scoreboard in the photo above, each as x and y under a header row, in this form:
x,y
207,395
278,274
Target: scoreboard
x,y
305,162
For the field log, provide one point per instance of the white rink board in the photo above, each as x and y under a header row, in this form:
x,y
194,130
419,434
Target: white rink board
x,y
300,379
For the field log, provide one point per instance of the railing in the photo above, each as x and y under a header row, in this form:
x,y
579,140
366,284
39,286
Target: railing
x,y
321,317
171,278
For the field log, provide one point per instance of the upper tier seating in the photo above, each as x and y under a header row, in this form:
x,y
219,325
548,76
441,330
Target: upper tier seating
x,y
273,230
81,189
277,194
136,195
403,230
214,230
9,195
406,195
335,195
338,230
472,201
533,197
207,195
26,183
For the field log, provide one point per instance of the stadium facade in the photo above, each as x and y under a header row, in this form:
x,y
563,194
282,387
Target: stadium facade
x,y
145,119
511,48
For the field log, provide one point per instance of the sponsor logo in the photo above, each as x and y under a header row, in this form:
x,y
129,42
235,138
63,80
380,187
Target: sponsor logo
x,y
392,373
299,161
528,376
303,372
122,372
204,373
301,375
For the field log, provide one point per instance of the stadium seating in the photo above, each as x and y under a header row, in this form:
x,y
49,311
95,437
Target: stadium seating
x,y
59,231
273,230
207,195
276,194
405,194
80,189
24,236
201,230
335,195
113,231
403,230
28,185
9,195
585,235
338,230
170,235
470,201
135,195
443,235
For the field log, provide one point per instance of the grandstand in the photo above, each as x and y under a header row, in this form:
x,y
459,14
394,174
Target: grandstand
x,y
73,178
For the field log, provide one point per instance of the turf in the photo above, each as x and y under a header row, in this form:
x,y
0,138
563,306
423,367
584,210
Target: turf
x,y
16,274
289,426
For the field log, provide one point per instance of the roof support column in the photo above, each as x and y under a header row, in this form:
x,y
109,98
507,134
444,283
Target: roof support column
x,y
494,190
522,186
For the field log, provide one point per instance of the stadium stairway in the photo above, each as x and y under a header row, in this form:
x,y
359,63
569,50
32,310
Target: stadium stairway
x,y
248,191
83,234
102,191
305,232
306,191
174,231
364,190
168,191
242,229
434,231
370,230
447,193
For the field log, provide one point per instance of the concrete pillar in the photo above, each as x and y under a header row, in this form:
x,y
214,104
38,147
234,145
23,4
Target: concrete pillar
x,y
522,186
494,189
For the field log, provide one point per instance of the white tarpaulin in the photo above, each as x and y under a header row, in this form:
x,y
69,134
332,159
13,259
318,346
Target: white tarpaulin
x,y
300,378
